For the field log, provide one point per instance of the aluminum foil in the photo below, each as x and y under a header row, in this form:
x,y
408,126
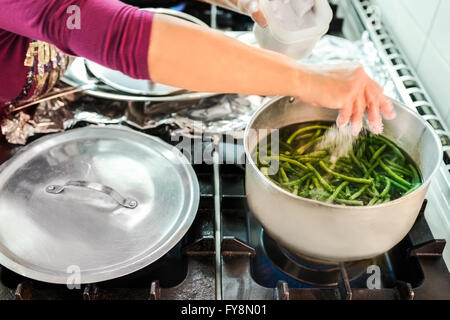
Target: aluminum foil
x,y
221,114
17,128
335,50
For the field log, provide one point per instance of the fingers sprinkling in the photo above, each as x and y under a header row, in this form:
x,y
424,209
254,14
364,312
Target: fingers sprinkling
x,y
344,116
357,116
373,115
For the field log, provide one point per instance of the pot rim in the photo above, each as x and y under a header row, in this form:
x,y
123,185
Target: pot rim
x,y
424,185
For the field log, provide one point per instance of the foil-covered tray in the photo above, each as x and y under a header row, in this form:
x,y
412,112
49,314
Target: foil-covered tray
x,y
77,75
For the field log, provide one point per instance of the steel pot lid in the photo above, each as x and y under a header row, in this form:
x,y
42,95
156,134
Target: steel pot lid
x,y
94,203
124,83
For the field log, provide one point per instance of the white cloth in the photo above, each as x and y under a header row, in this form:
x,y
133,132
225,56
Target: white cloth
x,y
293,15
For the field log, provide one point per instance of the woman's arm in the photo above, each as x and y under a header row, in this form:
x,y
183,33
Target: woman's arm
x,y
185,55
108,32
188,56
181,54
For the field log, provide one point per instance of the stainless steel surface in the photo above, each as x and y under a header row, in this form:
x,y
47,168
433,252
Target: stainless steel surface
x,y
334,232
120,200
47,237
217,226
77,75
126,84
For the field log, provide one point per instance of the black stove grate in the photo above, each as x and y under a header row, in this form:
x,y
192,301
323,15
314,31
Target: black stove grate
x,y
412,269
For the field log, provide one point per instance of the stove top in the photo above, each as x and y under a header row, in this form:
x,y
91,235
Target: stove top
x,y
227,255
254,266
251,265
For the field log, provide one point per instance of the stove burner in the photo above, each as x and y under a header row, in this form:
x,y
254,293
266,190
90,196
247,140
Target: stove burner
x,y
308,270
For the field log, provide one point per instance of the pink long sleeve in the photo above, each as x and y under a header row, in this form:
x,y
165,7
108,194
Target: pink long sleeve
x,y
111,33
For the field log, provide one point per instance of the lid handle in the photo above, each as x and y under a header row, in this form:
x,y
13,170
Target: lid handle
x,y
124,202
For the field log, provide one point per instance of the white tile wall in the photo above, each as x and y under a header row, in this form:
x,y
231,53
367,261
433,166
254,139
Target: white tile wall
x,y
440,32
422,30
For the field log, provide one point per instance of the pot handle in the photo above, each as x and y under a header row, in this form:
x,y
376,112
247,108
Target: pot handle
x,y
124,202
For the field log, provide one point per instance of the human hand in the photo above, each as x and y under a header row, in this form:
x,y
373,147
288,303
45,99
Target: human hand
x,y
348,88
251,8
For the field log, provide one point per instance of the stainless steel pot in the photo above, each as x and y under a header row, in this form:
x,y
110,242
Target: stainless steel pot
x,y
336,233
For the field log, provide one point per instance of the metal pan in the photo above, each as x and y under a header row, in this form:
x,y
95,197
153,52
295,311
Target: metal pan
x,y
77,76
100,202
329,232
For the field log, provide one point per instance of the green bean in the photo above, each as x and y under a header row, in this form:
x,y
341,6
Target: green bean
x,y
304,136
316,182
361,150
395,183
291,161
372,193
319,177
308,159
321,153
386,188
359,192
347,191
350,202
392,146
374,190
351,179
296,133
374,171
298,181
266,174
336,180
401,172
343,166
394,165
345,160
414,188
305,147
261,159
317,133
353,157
365,163
416,178
306,186
283,175
284,144
292,171
337,191
372,201
377,153
394,175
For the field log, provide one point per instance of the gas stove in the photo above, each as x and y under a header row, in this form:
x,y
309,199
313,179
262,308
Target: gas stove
x,y
227,255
